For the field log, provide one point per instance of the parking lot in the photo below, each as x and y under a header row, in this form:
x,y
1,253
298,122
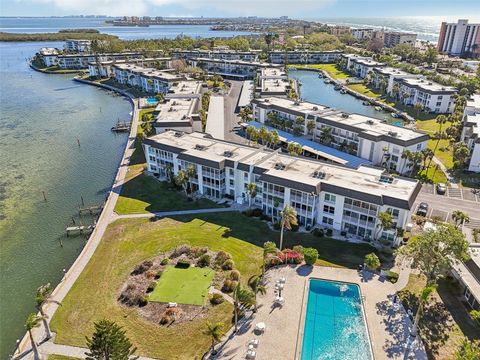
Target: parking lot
x,y
442,206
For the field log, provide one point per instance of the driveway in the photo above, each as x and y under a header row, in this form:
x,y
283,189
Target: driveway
x,y
231,118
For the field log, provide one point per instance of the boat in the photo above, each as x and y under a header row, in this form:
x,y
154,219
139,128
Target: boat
x,y
343,91
378,108
320,75
326,81
366,103
292,68
337,87
394,115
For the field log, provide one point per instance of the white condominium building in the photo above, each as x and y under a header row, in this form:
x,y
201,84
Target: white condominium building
x,y
272,82
385,77
148,79
79,61
432,96
361,34
368,138
179,110
105,68
78,45
304,57
360,66
326,195
251,55
49,56
392,38
459,39
471,131
235,69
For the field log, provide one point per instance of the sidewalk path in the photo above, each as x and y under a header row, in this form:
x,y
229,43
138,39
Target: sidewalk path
x,y
235,207
443,168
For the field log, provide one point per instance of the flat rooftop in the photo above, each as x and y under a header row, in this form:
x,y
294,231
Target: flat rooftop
x,y
288,168
48,51
303,107
388,70
474,101
429,86
174,110
185,88
239,62
149,72
275,85
273,72
367,62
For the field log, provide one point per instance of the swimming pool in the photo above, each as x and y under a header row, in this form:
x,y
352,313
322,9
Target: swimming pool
x,y
334,323
151,101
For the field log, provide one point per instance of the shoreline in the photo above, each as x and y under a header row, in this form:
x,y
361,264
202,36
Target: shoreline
x,y
106,217
57,72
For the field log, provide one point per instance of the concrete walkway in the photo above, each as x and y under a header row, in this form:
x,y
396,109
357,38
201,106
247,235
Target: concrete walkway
x,y
234,207
216,117
444,169
106,217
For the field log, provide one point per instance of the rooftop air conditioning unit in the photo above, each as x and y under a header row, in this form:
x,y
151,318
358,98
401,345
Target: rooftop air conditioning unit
x,y
370,122
315,108
345,115
227,153
392,133
199,147
178,134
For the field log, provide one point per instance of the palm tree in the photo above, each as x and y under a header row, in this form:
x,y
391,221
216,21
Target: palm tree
x,y
326,136
396,91
275,137
311,126
289,219
427,154
241,297
263,134
256,285
460,217
245,114
415,159
251,133
181,179
424,296
215,331
268,248
438,135
191,173
385,222
383,85
294,148
406,154
252,192
41,298
33,321
418,106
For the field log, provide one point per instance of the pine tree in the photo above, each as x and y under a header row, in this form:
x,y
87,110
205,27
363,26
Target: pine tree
x,y
109,342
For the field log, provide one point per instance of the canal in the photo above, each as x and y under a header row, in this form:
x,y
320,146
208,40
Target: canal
x,y
314,89
41,118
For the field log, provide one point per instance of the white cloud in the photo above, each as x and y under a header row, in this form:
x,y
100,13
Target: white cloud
x,y
201,7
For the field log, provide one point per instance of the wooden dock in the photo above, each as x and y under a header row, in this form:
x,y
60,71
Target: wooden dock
x,y
123,126
79,229
92,210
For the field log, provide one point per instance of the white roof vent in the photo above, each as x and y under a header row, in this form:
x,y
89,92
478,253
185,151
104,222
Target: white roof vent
x,y
393,133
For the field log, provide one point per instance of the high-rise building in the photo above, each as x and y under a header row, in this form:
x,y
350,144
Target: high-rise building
x,y
459,39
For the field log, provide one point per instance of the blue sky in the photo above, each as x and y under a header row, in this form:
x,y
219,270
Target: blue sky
x,y
292,8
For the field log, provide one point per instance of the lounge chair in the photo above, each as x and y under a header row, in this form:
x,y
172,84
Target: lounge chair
x,y
253,342
251,354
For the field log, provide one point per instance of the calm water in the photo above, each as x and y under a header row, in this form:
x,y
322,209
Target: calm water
x,y
334,324
41,118
44,25
314,90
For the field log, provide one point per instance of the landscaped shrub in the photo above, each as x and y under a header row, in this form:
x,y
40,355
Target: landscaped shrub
x,y
183,263
151,274
257,212
475,314
392,276
164,262
234,275
329,232
290,257
165,320
217,299
310,255
204,261
173,311
372,261
159,274
132,296
277,226
180,250
298,248
198,251
141,268
228,264
221,257
318,232
294,227
151,286
229,285
272,260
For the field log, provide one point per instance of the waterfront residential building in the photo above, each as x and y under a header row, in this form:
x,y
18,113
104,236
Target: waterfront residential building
x,y
459,39
148,79
304,57
471,131
81,61
75,45
384,78
323,194
361,67
49,56
251,55
272,82
179,110
347,60
234,69
105,68
380,143
393,38
361,34
432,96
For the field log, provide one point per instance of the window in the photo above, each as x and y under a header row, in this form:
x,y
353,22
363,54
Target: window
x,y
393,212
231,182
327,221
330,198
439,103
152,158
419,146
328,209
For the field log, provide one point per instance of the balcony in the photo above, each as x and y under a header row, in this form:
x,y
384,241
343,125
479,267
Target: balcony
x,y
360,210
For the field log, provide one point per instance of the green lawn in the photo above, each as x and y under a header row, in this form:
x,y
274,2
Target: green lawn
x,y
183,286
364,90
142,194
443,152
331,69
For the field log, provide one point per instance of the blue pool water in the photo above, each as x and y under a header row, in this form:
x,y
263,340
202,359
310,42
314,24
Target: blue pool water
x,y
334,324
151,101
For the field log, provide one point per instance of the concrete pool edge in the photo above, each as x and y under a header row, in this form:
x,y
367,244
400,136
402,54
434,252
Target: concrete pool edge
x,y
301,325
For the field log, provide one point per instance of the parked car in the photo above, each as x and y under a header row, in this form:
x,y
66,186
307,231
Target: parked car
x,y
441,188
422,209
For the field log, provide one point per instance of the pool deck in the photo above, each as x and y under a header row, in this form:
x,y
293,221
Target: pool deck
x,y
388,328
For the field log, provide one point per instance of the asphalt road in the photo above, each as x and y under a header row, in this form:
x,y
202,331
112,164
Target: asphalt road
x,y
231,118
